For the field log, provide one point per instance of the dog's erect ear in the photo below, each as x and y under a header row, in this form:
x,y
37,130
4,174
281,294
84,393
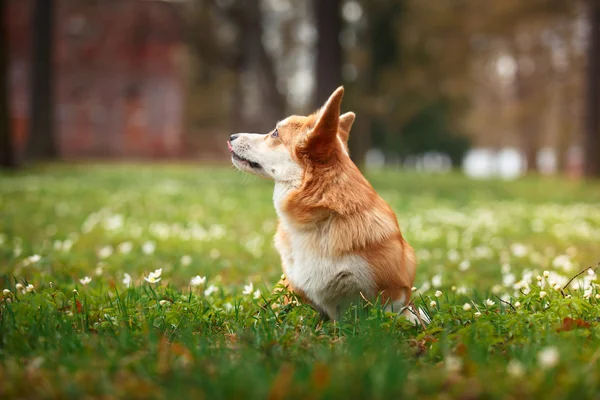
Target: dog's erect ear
x,y
346,121
322,138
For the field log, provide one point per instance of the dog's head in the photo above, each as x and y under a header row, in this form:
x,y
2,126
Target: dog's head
x,y
296,144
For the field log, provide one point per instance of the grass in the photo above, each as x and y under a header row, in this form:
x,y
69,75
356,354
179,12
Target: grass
x,y
483,245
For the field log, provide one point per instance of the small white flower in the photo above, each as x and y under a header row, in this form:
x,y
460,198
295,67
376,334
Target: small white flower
x,y
453,364
546,274
467,307
148,248
539,277
186,260
127,280
517,304
257,294
515,368
75,291
438,293
228,306
197,280
85,280
436,281
248,288
413,289
98,271
542,294
477,314
489,302
125,247
163,302
154,277
105,252
557,287
587,293
548,357
568,296
19,286
433,304
461,290
211,289
6,292
30,288
598,296
464,265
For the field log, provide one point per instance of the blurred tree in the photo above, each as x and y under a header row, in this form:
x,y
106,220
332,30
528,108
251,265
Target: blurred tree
x,y
8,157
592,128
329,50
41,142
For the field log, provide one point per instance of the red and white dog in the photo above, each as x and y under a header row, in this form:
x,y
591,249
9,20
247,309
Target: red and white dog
x,y
337,238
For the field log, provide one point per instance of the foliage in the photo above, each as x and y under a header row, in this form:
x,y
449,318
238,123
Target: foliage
x,y
229,335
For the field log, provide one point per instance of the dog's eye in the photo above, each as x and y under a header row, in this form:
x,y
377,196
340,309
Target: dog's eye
x,y
275,133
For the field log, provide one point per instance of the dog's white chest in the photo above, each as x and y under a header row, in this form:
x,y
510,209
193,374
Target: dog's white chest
x,y
329,281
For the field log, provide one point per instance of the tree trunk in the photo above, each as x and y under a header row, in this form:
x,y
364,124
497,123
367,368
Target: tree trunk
x,y
8,157
41,144
329,49
592,126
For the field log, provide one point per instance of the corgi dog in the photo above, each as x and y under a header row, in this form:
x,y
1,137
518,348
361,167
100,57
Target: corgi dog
x,y
337,238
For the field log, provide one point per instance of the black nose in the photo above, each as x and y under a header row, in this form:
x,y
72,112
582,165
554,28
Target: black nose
x,y
233,137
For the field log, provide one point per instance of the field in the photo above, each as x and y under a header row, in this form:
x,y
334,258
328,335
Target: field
x,y
157,281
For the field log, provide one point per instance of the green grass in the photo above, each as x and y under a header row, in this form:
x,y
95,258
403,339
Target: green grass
x,y
475,241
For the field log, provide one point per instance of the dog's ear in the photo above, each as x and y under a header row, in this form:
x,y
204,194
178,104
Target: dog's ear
x,y
321,139
346,121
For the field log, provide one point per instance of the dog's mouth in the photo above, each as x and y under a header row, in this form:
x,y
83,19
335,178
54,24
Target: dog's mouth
x,y
241,159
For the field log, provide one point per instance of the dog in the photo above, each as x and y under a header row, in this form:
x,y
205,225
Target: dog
x,y
337,238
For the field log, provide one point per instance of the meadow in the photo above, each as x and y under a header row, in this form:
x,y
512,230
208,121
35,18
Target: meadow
x,y
138,281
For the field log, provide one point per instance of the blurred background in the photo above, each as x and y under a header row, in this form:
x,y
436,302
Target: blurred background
x,y
496,88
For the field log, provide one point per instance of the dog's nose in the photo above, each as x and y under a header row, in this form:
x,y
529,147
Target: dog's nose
x,y
233,137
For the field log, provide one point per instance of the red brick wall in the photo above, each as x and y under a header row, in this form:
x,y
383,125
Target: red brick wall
x,y
119,84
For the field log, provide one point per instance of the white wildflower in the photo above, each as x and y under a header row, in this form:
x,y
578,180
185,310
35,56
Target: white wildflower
x,y
433,304
197,280
461,290
154,277
464,265
515,368
148,248
30,288
542,294
6,292
477,314
85,280
163,302
453,364
105,252
548,357
467,307
186,260
125,247
210,290
19,286
517,304
438,293
546,274
413,289
436,281
557,287
127,280
489,302
257,294
248,288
